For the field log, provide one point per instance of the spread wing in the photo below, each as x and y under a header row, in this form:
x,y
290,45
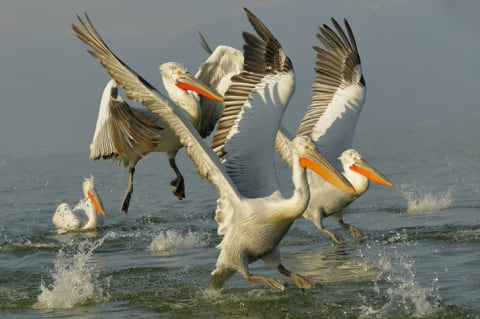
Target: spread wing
x,y
339,92
123,134
138,89
217,72
254,107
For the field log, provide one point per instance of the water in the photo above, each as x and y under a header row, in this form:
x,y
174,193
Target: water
x,y
421,258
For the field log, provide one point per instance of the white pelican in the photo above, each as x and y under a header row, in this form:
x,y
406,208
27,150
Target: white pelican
x,y
339,94
84,215
125,135
330,121
216,72
252,214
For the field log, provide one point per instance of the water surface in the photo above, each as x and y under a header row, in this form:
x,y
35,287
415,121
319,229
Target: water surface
x,y
421,258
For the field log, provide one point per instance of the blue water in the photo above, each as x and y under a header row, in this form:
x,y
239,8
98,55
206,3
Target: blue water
x,y
421,258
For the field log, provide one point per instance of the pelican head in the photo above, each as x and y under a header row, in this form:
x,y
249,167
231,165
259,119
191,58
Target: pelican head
x,y
91,193
352,160
310,158
176,74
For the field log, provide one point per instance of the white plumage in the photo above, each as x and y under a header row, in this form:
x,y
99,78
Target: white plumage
x,y
330,121
339,95
83,216
125,134
252,224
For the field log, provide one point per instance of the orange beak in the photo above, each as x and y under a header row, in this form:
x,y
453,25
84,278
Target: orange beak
x,y
365,169
188,82
319,164
97,203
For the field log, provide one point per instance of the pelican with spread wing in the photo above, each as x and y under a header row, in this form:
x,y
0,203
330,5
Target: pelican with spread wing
x,y
126,134
339,95
330,121
252,214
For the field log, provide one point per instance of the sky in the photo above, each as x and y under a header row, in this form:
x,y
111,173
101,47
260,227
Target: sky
x,y
419,58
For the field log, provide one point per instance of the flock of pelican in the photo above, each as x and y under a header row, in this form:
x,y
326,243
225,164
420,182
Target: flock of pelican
x,y
241,97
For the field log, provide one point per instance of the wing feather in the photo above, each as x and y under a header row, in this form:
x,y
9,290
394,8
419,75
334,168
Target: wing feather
x,y
254,106
216,72
123,134
338,90
138,89
204,43
283,145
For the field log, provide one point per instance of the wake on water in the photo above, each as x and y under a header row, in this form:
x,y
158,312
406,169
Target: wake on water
x,y
398,285
422,202
75,280
75,276
171,240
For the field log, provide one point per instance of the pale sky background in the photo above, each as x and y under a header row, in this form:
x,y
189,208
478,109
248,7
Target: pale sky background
x,y
420,60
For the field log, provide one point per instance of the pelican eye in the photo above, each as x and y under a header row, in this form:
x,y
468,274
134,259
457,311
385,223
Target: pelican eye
x,y
179,72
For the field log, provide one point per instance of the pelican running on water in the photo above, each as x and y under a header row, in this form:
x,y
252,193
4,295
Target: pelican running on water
x,y
252,214
84,215
330,121
340,121
339,94
125,135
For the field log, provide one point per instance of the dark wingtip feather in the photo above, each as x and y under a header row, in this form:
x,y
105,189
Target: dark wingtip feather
x,y
204,43
259,26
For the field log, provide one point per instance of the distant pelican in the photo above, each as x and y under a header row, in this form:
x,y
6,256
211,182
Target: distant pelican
x,y
125,135
252,214
84,215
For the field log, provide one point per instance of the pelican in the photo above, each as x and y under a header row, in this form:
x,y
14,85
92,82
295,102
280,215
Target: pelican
x,y
252,214
216,72
125,135
339,95
330,121
84,215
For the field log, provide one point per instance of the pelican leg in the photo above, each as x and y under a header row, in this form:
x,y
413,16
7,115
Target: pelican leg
x,y
319,224
354,231
128,192
273,258
178,183
300,281
270,258
219,277
276,284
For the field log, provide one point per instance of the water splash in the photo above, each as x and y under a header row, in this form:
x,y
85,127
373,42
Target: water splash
x,y
397,286
421,202
75,278
171,240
